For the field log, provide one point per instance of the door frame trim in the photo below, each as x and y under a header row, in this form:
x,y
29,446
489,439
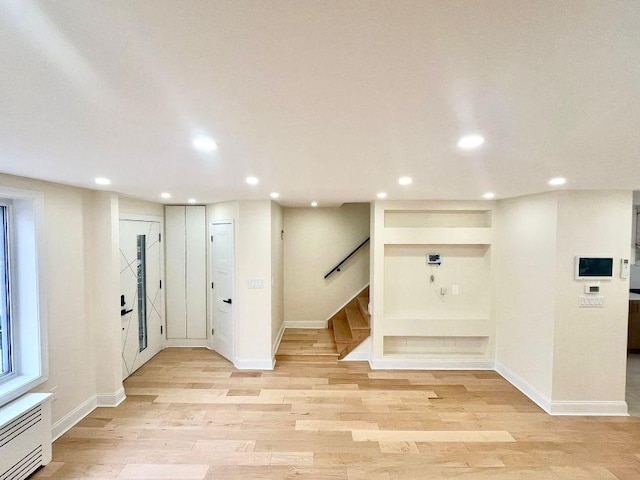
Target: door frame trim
x,y
160,219
210,297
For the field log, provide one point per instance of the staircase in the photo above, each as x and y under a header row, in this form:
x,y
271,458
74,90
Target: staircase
x,y
351,325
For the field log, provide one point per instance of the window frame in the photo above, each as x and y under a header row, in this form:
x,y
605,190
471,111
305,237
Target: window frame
x,y
5,231
30,366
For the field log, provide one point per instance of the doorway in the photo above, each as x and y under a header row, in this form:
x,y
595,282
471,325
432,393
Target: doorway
x,y
141,301
222,269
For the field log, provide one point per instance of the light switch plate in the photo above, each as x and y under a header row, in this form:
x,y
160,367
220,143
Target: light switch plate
x,y
255,283
591,301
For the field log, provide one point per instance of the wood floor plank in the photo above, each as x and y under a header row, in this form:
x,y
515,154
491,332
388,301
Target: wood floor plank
x,y
189,414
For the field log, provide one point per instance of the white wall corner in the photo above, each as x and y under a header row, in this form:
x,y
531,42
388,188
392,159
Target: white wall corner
x,y
60,427
276,344
111,399
529,390
255,363
306,324
429,364
596,408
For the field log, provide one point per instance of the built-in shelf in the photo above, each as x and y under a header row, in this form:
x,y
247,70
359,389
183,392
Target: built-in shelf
x,y
435,345
440,236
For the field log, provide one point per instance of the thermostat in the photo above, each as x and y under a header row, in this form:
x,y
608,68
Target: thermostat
x,y
592,288
434,259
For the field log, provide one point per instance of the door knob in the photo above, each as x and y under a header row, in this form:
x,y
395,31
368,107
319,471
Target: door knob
x,y
228,300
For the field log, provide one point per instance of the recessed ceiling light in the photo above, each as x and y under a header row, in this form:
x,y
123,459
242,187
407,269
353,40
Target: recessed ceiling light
x,y
102,181
469,142
251,180
192,200
489,195
274,195
557,181
381,195
314,204
165,195
405,180
205,144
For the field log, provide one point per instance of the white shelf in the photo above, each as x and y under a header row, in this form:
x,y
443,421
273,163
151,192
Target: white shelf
x,y
437,236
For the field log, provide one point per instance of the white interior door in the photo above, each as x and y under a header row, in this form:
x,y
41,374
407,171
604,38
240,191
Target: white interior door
x,y
222,288
142,312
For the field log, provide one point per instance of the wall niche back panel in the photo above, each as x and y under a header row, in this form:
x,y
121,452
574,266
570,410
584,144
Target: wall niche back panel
x,y
410,294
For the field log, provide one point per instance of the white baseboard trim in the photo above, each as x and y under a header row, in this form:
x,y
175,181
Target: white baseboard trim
x,y
535,395
188,343
357,357
563,407
276,344
60,427
429,364
596,408
306,324
111,399
255,363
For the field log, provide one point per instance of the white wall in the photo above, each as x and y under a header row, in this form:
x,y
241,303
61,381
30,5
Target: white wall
x,y
315,240
74,292
129,205
525,283
277,274
590,343
569,359
252,308
253,261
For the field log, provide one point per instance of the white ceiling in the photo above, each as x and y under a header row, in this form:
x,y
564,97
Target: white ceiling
x,y
322,100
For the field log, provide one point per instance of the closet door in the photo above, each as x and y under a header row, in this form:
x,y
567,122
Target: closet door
x,y
175,272
196,274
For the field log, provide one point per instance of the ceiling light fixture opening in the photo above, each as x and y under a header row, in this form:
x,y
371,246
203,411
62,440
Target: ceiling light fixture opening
x,y
205,144
470,142
405,180
314,204
192,200
274,195
489,195
557,181
165,195
252,180
381,195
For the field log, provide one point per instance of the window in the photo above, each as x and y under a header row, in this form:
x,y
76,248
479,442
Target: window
x,y
5,303
23,335
142,292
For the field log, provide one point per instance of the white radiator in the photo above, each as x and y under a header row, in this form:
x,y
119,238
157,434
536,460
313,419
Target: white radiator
x,y
25,436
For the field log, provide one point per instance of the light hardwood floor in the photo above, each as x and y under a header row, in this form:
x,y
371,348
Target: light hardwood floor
x,y
190,415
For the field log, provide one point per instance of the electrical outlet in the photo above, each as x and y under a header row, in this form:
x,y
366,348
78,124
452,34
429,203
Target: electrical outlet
x,y
455,289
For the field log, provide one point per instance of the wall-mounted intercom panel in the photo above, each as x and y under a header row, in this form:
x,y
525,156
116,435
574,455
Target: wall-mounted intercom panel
x,y
434,259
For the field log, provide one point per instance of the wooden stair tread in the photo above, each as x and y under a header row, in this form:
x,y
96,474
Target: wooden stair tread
x,y
341,330
356,320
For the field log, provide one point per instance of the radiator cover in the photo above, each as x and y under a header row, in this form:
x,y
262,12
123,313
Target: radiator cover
x,y
25,436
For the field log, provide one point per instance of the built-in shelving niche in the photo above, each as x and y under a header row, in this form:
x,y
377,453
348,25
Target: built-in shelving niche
x,y
437,218
436,346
